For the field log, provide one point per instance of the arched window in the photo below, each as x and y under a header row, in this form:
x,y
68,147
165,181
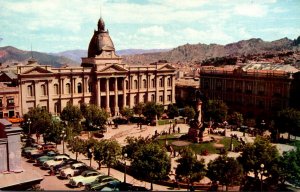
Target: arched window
x,y
161,83
135,100
169,82
135,84
145,83
79,88
44,91
56,107
68,88
153,83
55,89
152,98
29,91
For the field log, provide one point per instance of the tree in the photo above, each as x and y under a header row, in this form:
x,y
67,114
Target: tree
x,y
40,120
289,167
235,118
172,111
151,109
226,170
73,116
288,120
250,122
99,152
127,112
133,144
215,110
53,133
111,152
138,109
189,112
151,162
95,116
77,146
189,168
257,153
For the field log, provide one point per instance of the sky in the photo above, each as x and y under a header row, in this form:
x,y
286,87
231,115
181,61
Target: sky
x,y
59,25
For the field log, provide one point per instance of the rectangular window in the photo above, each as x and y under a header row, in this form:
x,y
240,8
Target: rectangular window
x,y
1,102
161,98
10,102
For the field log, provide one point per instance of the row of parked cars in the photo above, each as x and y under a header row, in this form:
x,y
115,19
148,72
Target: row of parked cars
x,y
78,173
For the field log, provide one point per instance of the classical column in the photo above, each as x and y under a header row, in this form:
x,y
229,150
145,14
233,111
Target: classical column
x,y
36,95
124,93
156,89
107,95
165,90
50,99
173,89
98,92
116,96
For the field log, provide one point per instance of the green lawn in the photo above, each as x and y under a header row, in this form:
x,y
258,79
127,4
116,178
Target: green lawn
x,y
199,147
165,121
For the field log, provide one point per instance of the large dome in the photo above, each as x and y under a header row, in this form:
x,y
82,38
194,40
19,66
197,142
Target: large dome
x,y
100,41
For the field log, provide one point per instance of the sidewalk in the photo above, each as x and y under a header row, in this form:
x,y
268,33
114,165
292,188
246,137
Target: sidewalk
x,y
120,134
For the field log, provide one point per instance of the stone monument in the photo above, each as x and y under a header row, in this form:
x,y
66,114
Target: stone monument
x,y
197,132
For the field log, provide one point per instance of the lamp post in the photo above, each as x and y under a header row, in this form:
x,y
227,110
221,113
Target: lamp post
x,y
185,118
262,125
90,156
262,172
29,122
170,121
125,168
63,135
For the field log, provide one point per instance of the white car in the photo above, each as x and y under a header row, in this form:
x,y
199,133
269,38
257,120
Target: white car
x,y
57,160
86,177
74,170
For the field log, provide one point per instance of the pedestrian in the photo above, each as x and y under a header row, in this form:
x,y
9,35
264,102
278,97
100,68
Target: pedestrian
x,y
173,129
178,129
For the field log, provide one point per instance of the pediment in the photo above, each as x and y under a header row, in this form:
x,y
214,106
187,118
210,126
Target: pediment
x,y
112,69
166,67
37,70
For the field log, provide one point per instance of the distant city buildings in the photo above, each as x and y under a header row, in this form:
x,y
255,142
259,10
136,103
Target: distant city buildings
x,y
255,89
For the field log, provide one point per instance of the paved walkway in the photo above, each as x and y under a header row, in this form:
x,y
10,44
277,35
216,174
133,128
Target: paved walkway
x,y
124,131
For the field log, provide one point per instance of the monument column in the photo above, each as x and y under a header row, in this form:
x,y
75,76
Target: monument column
x,y
107,95
116,97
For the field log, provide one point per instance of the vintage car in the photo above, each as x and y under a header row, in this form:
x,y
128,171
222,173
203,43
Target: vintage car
x,y
50,155
57,160
15,119
65,164
86,177
74,170
99,183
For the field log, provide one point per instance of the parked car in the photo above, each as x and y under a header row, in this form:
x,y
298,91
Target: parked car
x,y
74,170
65,164
50,155
99,183
57,160
34,157
117,186
86,177
48,147
121,186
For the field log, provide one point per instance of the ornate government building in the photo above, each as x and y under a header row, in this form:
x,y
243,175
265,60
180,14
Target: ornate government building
x,y
102,79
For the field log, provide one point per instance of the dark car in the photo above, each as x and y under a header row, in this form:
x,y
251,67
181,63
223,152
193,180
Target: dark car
x,y
121,186
64,164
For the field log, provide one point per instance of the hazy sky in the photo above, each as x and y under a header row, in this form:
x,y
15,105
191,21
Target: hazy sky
x,y
58,25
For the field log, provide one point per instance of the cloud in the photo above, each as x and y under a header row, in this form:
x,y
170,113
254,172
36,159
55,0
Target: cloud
x,y
251,10
153,31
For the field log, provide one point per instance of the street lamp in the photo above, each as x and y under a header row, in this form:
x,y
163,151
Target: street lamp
x,y
63,135
262,172
90,156
185,118
29,122
125,156
262,125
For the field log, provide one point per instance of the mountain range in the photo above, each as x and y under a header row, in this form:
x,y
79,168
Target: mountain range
x,y
184,53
